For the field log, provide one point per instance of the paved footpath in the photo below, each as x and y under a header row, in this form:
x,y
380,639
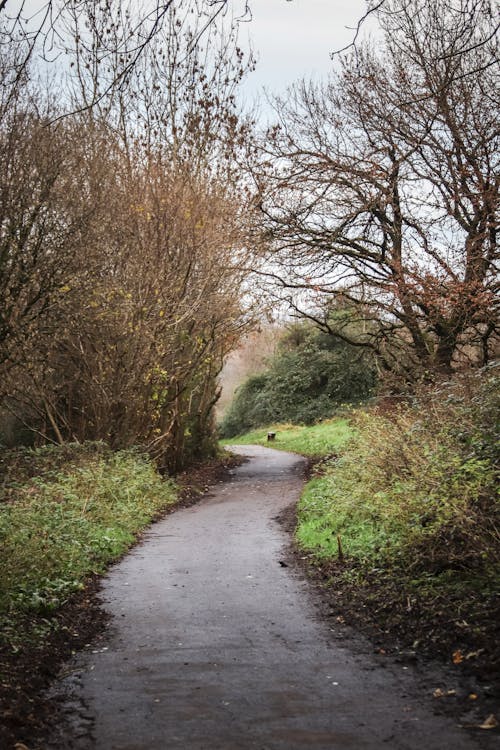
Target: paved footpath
x,y
214,645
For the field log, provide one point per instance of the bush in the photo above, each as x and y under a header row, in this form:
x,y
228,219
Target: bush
x,y
309,377
416,488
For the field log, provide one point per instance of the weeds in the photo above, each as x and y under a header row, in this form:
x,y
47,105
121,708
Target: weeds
x,y
416,489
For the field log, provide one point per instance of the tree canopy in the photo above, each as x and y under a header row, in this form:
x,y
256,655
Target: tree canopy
x,y
381,187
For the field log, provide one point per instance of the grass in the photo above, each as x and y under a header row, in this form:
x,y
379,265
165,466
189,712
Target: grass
x,y
408,493
68,522
405,523
317,441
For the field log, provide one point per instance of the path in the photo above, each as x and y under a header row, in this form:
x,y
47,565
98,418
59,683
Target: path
x,y
214,645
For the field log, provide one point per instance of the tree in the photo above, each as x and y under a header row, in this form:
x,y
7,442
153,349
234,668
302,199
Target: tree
x,y
123,249
118,31
51,197
136,356
382,187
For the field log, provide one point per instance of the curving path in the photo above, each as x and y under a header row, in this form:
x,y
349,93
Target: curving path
x,y
215,646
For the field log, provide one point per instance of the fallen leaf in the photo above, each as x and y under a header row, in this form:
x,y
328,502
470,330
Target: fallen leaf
x,y
457,657
489,723
439,693
473,654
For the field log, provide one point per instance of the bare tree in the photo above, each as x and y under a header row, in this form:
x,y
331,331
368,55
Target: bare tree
x,y
51,192
141,286
106,29
382,187
137,353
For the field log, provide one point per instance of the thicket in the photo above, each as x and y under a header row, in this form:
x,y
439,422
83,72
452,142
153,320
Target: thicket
x,y
122,228
416,491
310,376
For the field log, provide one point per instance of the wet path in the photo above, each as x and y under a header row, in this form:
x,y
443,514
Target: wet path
x,y
214,646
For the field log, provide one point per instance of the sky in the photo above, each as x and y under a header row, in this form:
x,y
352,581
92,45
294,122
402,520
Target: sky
x,y
293,39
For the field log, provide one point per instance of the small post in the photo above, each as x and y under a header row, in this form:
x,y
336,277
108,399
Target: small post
x,y
339,545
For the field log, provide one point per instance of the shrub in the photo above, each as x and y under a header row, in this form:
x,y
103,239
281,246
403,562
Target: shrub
x,y
308,378
416,488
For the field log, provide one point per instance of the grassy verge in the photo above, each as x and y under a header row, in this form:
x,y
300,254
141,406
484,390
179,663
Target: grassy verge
x,y
59,527
318,441
405,525
66,513
416,490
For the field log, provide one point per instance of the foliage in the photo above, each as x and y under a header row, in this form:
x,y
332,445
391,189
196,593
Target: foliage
x,y
65,514
310,376
416,489
317,441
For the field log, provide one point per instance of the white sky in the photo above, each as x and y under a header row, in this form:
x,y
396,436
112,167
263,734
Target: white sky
x,y
293,39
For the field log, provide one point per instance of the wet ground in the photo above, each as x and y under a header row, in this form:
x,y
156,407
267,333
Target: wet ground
x,y
214,644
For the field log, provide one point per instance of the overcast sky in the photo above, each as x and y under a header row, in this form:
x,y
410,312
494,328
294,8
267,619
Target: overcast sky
x,y
294,39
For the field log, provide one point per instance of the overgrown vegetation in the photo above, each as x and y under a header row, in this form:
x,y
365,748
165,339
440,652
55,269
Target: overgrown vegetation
x,y
311,375
123,227
407,520
65,514
417,486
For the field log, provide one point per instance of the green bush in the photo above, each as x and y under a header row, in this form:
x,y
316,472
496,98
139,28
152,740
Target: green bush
x,y
310,376
416,488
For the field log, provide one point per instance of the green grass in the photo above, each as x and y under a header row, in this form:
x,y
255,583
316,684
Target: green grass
x,y
414,492
318,441
68,522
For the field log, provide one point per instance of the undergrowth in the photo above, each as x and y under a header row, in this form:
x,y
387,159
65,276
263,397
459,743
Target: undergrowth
x,y
65,514
416,491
